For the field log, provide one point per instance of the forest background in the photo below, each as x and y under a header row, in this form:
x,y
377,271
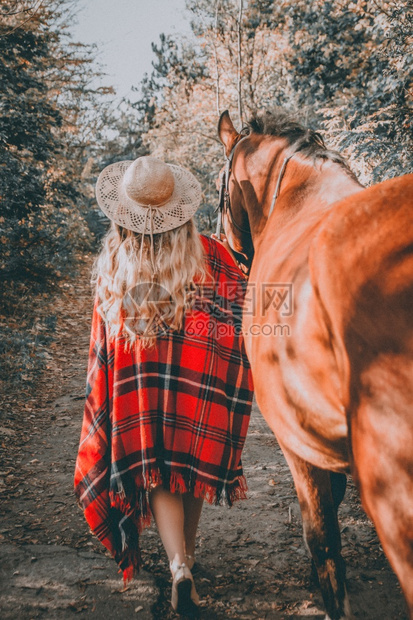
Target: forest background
x,y
343,67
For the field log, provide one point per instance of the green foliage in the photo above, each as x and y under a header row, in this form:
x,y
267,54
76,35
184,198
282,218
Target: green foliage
x,y
46,112
49,118
27,143
351,64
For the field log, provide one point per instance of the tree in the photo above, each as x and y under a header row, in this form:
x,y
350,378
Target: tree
x,y
198,79
344,68
48,117
350,62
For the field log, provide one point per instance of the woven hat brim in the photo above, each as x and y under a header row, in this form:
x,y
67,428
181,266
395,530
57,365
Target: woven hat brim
x,y
117,205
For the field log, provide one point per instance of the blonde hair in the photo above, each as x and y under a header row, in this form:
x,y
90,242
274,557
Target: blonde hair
x,y
146,285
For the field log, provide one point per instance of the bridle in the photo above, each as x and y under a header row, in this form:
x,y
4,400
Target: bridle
x,y
224,203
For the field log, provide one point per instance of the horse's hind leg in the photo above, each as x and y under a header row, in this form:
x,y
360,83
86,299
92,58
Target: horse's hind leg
x,y
338,487
321,531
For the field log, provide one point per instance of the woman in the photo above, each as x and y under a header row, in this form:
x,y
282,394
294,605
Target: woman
x,y
169,387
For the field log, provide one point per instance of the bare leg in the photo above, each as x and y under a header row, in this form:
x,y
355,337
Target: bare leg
x,y
192,513
168,511
176,518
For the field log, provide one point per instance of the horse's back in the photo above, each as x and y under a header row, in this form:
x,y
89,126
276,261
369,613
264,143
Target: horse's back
x,y
362,266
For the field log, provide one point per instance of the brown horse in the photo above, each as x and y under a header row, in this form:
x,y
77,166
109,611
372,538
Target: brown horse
x,y
328,330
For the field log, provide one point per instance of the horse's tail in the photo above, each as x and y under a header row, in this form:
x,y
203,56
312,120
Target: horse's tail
x,y
362,268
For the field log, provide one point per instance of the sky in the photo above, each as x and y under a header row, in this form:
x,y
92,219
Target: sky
x,y
123,31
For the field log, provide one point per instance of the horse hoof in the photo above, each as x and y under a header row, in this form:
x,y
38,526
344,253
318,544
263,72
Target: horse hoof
x,y
347,610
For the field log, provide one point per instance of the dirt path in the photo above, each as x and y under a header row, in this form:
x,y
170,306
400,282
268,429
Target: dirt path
x,y
252,562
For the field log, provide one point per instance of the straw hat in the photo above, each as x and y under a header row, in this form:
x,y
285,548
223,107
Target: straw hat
x,y
147,195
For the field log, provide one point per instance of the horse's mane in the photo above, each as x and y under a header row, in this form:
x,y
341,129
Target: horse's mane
x,y
282,124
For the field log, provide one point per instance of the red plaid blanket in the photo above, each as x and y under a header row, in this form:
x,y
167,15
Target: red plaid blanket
x,y
176,414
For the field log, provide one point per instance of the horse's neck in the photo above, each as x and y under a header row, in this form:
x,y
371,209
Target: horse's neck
x,y
306,189
330,183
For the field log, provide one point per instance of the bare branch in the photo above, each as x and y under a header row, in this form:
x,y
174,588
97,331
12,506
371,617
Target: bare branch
x,y
32,14
382,10
216,59
239,42
184,131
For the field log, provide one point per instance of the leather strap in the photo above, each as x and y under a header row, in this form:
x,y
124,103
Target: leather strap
x,y
277,187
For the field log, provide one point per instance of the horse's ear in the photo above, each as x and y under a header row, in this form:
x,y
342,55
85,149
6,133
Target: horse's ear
x,y
227,132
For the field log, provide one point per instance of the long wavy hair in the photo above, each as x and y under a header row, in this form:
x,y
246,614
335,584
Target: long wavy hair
x,y
146,285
